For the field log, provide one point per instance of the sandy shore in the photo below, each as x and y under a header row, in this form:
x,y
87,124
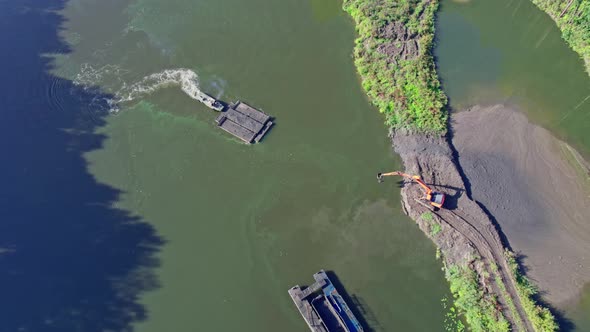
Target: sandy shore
x,y
467,236
535,189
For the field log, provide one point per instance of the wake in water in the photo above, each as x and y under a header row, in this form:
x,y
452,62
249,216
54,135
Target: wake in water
x,y
186,79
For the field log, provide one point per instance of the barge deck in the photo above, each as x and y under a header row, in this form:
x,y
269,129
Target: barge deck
x,y
245,122
323,308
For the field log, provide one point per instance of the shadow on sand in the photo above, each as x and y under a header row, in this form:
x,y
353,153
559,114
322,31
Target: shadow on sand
x,y
69,260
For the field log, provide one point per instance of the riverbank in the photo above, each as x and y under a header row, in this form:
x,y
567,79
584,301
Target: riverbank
x,y
393,57
573,19
537,189
488,289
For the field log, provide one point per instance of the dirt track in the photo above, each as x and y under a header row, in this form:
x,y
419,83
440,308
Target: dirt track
x,y
532,185
467,230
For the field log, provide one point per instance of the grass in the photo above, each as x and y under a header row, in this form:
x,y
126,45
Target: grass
x,y
541,318
507,298
452,321
435,227
427,216
479,309
407,91
573,19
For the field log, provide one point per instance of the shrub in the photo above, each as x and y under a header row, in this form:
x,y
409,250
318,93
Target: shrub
x,y
406,91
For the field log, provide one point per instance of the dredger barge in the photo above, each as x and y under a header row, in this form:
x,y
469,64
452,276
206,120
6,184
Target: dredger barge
x,y
239,119
323,308
245,122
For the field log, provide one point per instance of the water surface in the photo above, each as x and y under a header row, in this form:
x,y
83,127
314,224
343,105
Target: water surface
x,y
510,51
242,224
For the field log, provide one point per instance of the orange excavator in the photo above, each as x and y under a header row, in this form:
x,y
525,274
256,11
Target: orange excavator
x,y
435,199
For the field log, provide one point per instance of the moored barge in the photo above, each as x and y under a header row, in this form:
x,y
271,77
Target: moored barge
x,y
323,308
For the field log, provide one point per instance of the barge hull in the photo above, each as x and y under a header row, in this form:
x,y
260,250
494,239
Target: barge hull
x,y
245,122
323,308
238,131
309,314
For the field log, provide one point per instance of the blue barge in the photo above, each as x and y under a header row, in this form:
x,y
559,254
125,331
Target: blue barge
x,y
323,308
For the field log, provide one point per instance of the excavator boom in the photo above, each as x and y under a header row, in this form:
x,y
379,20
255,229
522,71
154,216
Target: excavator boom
x,y
436,199
423,185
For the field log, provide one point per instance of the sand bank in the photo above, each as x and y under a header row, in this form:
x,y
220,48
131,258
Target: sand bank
x,y
535,188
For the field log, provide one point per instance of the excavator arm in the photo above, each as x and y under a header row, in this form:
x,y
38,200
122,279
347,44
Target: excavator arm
x,y
411,177
436,199
423,185
396,173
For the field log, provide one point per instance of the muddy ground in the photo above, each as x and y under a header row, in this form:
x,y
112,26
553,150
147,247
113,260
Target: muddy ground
x,y
535,189
468,236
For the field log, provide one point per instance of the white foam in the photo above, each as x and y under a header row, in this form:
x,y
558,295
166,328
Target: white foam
x,y
186,79
90,76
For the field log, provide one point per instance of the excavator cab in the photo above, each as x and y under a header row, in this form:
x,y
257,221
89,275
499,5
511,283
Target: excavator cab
x,y
435,199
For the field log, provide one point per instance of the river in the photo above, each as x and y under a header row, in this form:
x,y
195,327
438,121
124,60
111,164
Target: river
x,y
511,52
142,215
241,224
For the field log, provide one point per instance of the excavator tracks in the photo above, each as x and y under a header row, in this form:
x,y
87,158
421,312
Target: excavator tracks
x,y
492,251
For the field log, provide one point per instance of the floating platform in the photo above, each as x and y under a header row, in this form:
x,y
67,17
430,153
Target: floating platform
x,y
323,308
245,122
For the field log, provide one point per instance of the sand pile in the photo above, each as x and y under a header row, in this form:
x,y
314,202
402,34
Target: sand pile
x,y
536,190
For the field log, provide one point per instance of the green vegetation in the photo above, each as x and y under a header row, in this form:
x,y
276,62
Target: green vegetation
x,y
507,298
393,57
573,18
541,318
510,303
435,228
452,321
427,216
479,309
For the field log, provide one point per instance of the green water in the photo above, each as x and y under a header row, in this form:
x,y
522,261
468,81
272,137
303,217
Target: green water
x,y
242,224
510,51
